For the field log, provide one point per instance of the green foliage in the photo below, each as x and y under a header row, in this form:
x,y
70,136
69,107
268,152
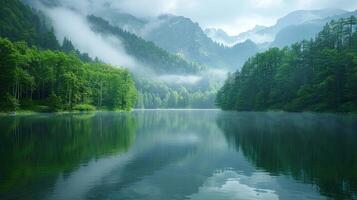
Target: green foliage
x,y
84,107
156,94
8,103
19,22
59,80
316,75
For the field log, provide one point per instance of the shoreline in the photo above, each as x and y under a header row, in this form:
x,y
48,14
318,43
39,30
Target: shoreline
x,y
31,113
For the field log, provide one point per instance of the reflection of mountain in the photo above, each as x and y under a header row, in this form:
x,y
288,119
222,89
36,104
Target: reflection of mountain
x,y
36,146
317,149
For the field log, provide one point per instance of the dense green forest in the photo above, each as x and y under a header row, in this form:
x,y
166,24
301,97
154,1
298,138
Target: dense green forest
x,y
19,22
316,75
37,73
48,81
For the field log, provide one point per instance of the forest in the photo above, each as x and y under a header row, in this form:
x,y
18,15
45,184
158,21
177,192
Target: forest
x,y
45,80
316,75
156,94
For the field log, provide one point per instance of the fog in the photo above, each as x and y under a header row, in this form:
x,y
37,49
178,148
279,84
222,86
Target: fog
x,y
71,22
233,16
69,19
178,79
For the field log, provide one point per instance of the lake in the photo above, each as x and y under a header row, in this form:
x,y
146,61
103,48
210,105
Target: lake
x,y
178,154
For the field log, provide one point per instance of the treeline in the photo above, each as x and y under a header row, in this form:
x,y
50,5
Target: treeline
x,y
49,81
156,94
316,75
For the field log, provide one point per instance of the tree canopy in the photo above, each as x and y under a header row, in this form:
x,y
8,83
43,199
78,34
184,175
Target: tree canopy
x,y
59,81
315,75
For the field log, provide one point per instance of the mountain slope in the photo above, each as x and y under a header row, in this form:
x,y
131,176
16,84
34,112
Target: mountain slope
x,y
181,36
306,30
220,36
185,38
300,17
316,75
145,52
19,22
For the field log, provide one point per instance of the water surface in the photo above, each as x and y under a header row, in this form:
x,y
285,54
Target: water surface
x,y
178,154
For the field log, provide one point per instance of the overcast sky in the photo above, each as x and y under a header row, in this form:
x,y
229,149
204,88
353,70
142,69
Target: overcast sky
x,y
233,16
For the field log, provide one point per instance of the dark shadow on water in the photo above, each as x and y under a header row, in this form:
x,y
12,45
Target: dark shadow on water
x,y
38,146
319,149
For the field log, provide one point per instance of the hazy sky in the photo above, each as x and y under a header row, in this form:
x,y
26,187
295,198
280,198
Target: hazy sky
x,y
233,16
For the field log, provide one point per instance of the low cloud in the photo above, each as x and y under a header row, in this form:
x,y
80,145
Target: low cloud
x,y
233,16
180,79
74,26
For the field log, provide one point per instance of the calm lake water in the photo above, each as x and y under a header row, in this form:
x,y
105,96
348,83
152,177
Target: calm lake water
x,y
164,155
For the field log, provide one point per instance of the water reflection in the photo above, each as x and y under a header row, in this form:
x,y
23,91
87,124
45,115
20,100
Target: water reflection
x,y
44,145
178,155
320,149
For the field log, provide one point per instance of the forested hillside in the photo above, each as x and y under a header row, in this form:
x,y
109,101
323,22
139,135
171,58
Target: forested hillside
x,y
145,52
316,75
37,73
19,22
183,37
49,81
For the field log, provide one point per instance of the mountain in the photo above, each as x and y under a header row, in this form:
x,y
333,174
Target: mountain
x,y
220,36
252,35
296,26
145,52
215,48
125,21
185,38
182,37
299,17
19,22
306,30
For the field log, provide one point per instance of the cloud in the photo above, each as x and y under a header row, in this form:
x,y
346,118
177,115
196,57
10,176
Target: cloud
x,y
178,79
67,23
234,16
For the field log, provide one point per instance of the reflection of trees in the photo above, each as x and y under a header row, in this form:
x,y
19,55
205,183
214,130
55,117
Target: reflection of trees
x,y
157,155
44,145
313,148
